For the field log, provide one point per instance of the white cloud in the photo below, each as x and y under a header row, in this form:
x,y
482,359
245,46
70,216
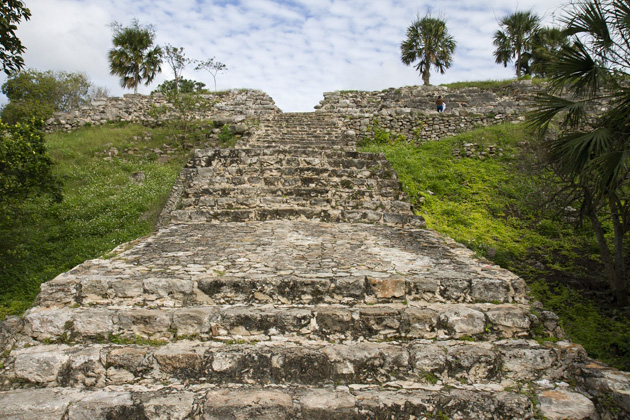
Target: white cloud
x,y
293,50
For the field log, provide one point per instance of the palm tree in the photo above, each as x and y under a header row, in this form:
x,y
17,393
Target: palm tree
x,y
546,43
429,42
589,98
514,41
134,58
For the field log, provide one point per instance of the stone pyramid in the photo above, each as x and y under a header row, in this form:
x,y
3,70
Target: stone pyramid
x,y
293,281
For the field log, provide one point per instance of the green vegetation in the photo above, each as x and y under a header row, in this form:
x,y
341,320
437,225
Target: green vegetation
x,y
430,44
37,94
498,206
134,58
11,48
584,122
102,206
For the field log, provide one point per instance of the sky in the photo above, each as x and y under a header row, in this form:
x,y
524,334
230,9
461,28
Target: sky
x,y
292,50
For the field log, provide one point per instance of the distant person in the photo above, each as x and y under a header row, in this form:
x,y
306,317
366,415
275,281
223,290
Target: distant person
x,y
441,104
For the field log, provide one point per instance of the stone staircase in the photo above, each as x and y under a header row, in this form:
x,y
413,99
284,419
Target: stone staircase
x,y
294,282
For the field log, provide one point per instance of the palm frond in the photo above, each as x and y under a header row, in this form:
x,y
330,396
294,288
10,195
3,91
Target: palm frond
x,y
574,151
574,68
549,107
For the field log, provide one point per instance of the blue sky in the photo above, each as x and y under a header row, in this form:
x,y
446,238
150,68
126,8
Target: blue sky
x,y
293,50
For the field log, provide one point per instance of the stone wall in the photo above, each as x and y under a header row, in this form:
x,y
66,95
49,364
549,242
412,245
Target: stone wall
x,y
410,111
154,108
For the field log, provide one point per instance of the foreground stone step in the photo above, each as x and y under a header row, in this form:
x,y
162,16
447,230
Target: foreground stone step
x,y
211,285
504,363
304,213
95,323
274,402
271,203
300,262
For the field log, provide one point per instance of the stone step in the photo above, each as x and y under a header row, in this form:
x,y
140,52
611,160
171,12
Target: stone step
x,y
506,363
342,183
240,402
347,176
101,317
237,191
296,213
313,145
253,163
200,202
273,156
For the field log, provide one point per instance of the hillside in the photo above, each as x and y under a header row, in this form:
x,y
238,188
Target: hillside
x,y
482,189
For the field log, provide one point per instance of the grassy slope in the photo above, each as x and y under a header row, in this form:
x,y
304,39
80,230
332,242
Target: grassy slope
x,y
102,207
494,206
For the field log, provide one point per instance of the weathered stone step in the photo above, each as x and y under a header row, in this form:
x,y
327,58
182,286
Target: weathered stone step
x,y
238,402
506,362
212,192
204,157
102,317
251,163
287,201
337,176
292,213
377,184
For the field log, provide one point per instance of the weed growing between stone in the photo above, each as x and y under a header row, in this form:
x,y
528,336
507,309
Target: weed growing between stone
x,y
498,206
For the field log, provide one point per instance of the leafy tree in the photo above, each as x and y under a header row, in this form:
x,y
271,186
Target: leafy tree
x,y
589,102
429,43
11,48
34,93
213,67
183,86
134,57
25,167
515,40
176,59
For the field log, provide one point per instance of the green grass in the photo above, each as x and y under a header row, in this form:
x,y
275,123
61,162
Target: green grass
x,y
496,207
102,206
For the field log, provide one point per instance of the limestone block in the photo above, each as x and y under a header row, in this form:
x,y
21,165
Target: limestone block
x,y
168,287
103,405
246,404
526,360
143,321
489,290
417,322
36,404
42,323
40,364
377,318
462,321
126,288
168,407
93,322
561,404
182,359
428,358
334,319
132,359
193,321
387,287
328,404
476,362
509,318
